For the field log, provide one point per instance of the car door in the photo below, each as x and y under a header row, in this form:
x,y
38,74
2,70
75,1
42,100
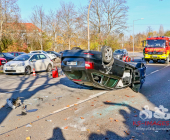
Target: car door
x,y
43,61
34,62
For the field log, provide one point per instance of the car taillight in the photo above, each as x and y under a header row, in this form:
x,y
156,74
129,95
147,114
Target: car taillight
x,y
76,80
164,52
89,65
89,53
146,52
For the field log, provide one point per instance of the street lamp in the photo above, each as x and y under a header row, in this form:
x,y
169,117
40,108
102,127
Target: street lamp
x,y
133,32
88,26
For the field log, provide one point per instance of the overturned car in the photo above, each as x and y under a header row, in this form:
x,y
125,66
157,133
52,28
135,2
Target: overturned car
x,y
101,69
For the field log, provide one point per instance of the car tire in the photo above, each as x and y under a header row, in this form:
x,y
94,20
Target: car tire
x,y
27,70
167,60
147,61
76,48
107,54
49,68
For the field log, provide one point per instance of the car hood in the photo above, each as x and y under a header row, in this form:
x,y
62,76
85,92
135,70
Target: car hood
x,y
15,62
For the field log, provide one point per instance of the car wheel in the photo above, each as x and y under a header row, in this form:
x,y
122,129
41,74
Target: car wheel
x,y
167,60
76,48
147,61
27,70
107,54
49,68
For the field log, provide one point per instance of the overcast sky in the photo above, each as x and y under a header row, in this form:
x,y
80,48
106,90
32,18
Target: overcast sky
x,y
154,12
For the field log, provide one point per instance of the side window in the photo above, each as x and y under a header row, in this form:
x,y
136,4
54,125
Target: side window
x,y
16,54
36,57
42,56
1,55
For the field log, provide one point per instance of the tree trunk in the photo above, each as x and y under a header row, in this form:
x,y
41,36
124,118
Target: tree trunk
x,y
69,43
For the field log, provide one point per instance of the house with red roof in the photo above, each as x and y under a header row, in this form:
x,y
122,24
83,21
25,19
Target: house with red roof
x,y
22,27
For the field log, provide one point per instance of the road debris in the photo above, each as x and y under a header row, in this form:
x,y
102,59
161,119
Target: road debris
x,y
81,117
28,125
23,113
66,127
58,97
14,103
126,132
48,120
88,130
108,101
126,95
28,138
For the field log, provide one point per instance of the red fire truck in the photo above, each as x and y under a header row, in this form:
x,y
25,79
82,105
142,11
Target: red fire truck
x,y
157,48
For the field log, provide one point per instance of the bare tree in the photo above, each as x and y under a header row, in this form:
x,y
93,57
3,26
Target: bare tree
x,y
108,15
68,17
9,12
115,12
54,25
149,31
38,18
161,30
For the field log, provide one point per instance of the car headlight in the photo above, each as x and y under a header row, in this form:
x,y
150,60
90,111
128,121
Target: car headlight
x,y
21,64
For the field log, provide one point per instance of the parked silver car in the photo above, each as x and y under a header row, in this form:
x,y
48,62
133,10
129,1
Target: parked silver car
x,y
26,62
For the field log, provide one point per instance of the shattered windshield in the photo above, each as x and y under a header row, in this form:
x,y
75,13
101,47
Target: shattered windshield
x,y
155,43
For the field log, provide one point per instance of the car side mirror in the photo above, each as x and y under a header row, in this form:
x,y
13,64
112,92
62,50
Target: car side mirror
x,y
33,60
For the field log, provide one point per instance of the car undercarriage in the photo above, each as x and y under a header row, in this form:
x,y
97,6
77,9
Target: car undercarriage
x,y
102,70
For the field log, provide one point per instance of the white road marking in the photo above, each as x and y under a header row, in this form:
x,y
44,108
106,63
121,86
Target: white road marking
x,y
157,70
79,102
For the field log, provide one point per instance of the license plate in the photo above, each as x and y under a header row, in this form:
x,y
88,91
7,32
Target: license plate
x,y
154,56
71,63
9,68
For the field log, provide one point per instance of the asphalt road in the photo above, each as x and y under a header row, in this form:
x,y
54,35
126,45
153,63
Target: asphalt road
x,y
59,109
